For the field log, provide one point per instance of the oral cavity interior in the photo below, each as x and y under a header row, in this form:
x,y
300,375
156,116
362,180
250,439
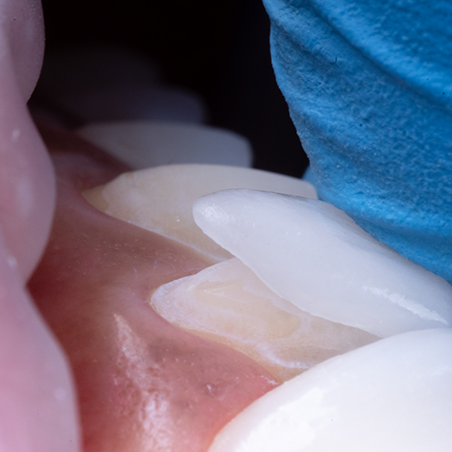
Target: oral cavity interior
x,y
142,383
308,284
161,199
228,303
316,257
144,144
394,395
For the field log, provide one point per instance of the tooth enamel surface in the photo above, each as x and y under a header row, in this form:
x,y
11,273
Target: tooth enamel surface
x,y
315,256
228,303
143,144
161,199
394,395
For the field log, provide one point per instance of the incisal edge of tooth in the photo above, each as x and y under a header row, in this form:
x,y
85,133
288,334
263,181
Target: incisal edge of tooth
x,y
228,303
394,395
315,256
161,199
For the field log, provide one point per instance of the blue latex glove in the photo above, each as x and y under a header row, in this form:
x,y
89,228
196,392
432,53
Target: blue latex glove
x,y
369,87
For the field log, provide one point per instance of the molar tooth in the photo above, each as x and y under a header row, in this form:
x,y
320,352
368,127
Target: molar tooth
x,y
143,144
228,303
161,199
394,395
315,256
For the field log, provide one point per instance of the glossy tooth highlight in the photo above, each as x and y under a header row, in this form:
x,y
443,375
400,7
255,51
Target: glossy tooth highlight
x,y
228,303
143,144
161,199
394,395
315,256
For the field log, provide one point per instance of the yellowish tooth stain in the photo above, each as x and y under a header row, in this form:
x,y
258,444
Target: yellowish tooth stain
x,y
231,295
95,197
228,303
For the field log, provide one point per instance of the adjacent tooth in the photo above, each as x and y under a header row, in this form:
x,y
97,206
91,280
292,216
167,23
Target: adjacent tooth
x,y
315,256
161,199
143,144
128,103
394,395
228,303
103,83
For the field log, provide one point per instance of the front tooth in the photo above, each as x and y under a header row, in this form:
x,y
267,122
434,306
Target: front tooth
x,y
315,256
143,144
394,395
228,303
161,199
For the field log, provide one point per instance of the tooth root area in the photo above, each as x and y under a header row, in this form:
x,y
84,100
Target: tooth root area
x,y
394,395
161,199
228,303
315,256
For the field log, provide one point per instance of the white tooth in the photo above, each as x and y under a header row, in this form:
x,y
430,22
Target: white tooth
x,y
394,395
315,256
143,144
228,303
161,199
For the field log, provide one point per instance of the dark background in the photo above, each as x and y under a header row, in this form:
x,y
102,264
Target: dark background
x,y
219,49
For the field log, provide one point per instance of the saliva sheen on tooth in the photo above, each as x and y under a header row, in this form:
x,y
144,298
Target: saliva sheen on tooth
x,y
303,273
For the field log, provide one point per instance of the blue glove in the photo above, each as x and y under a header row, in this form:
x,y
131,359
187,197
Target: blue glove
x,y
369,88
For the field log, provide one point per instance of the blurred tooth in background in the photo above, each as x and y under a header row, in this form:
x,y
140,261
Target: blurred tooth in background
x,y
394,395
102,83
228,303
142,144
161,199
90,68
315,256
159,103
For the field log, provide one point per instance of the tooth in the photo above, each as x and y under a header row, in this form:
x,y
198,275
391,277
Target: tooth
x,y
104,83
315,256
228,303
143,144
394,395
126,103
107,83
161,199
